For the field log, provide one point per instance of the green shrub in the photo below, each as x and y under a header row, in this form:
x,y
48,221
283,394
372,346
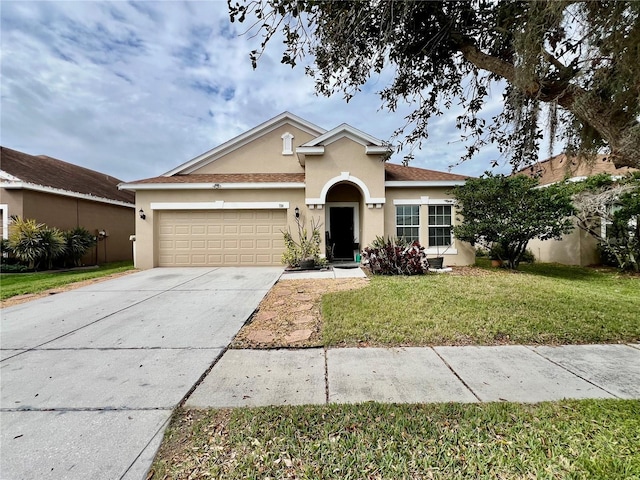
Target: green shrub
x,y
24,241
78,241
53,245
528,256
13,268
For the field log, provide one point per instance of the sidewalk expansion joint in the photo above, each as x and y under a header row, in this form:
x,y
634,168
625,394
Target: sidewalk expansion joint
x,y
566,369
467,386
326,375
97,320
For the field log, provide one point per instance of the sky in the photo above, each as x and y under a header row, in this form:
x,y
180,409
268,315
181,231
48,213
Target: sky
x,y
134,89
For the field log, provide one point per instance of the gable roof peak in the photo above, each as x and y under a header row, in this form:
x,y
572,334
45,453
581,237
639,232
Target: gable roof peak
x,y
346,130
245,138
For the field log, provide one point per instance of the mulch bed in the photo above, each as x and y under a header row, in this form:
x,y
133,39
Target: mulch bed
x,y
289,316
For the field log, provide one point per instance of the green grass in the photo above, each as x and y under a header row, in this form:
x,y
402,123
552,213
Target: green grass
x,y
588,439
12,284
541,304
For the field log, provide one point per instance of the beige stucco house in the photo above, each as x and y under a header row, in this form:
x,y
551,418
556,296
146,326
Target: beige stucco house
x,y
230,205
63,195
577,247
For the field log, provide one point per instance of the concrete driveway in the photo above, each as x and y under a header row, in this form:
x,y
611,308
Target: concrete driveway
x,y
89,377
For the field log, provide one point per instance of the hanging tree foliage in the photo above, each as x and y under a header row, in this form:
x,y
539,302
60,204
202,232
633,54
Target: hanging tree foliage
x,y
579,59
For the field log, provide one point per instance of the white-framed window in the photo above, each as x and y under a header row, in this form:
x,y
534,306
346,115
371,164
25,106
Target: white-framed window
x,y
439,225
408,222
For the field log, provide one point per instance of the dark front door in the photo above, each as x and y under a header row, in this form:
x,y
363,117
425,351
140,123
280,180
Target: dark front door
x,y
341,221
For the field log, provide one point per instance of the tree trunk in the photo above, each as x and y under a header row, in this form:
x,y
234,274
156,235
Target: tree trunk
x,y
618,129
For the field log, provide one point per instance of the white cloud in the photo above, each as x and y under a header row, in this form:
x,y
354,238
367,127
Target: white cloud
x,y
135,89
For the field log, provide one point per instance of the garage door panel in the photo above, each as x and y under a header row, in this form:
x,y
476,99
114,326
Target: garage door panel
x,y
214,259
230,243
217,238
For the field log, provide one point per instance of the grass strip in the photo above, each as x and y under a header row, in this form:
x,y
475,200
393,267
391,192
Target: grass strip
x,y
12,284
542,304
587,439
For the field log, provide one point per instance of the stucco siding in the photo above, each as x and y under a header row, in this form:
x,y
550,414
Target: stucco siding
x,y
344,155
67,213
262,155
576,248
460,253
13,200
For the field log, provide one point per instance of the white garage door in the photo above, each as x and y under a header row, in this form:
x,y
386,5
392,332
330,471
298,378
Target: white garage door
x,y
220,237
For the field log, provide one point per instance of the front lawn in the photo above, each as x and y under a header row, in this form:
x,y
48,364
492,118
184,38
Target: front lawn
x,y
13,284
588,439
541,304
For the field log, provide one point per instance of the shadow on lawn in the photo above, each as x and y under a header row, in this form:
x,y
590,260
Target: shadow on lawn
x,y
556,270
567,272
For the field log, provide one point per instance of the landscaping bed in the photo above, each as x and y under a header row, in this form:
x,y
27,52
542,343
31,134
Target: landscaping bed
x,y
289,315
542,304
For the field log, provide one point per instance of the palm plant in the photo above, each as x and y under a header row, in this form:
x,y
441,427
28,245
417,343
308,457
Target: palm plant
x,y
34,243
78,242
53,244
24,240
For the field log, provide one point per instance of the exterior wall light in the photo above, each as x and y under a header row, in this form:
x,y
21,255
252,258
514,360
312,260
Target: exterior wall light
x,y
142,215
297,211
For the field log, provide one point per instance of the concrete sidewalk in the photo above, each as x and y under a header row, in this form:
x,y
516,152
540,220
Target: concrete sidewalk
x,y
432,374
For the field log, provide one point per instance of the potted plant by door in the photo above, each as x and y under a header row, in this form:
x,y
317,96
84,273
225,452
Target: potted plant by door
x,y
303,253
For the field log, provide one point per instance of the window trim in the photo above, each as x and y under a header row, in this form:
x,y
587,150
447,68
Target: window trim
x,y
419,226
450,226
426,200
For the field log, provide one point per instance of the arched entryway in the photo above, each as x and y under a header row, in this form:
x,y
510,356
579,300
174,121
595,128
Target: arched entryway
x,y
343,220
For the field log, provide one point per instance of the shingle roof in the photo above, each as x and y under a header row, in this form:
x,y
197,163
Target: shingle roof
x,y
54,173
556,169
227,178
393,172
399,173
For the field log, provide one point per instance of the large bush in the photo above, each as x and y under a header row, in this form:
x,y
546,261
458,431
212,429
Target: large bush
x,y
38,246
78,242
24,241
395,257
507,212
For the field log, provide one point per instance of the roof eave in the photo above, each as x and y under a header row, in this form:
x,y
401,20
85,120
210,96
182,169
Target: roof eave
x,y
65,193
211,186
423,183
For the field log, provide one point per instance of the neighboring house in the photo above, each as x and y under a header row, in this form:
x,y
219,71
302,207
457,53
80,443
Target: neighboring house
x,y
578,247
230,205
67,196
